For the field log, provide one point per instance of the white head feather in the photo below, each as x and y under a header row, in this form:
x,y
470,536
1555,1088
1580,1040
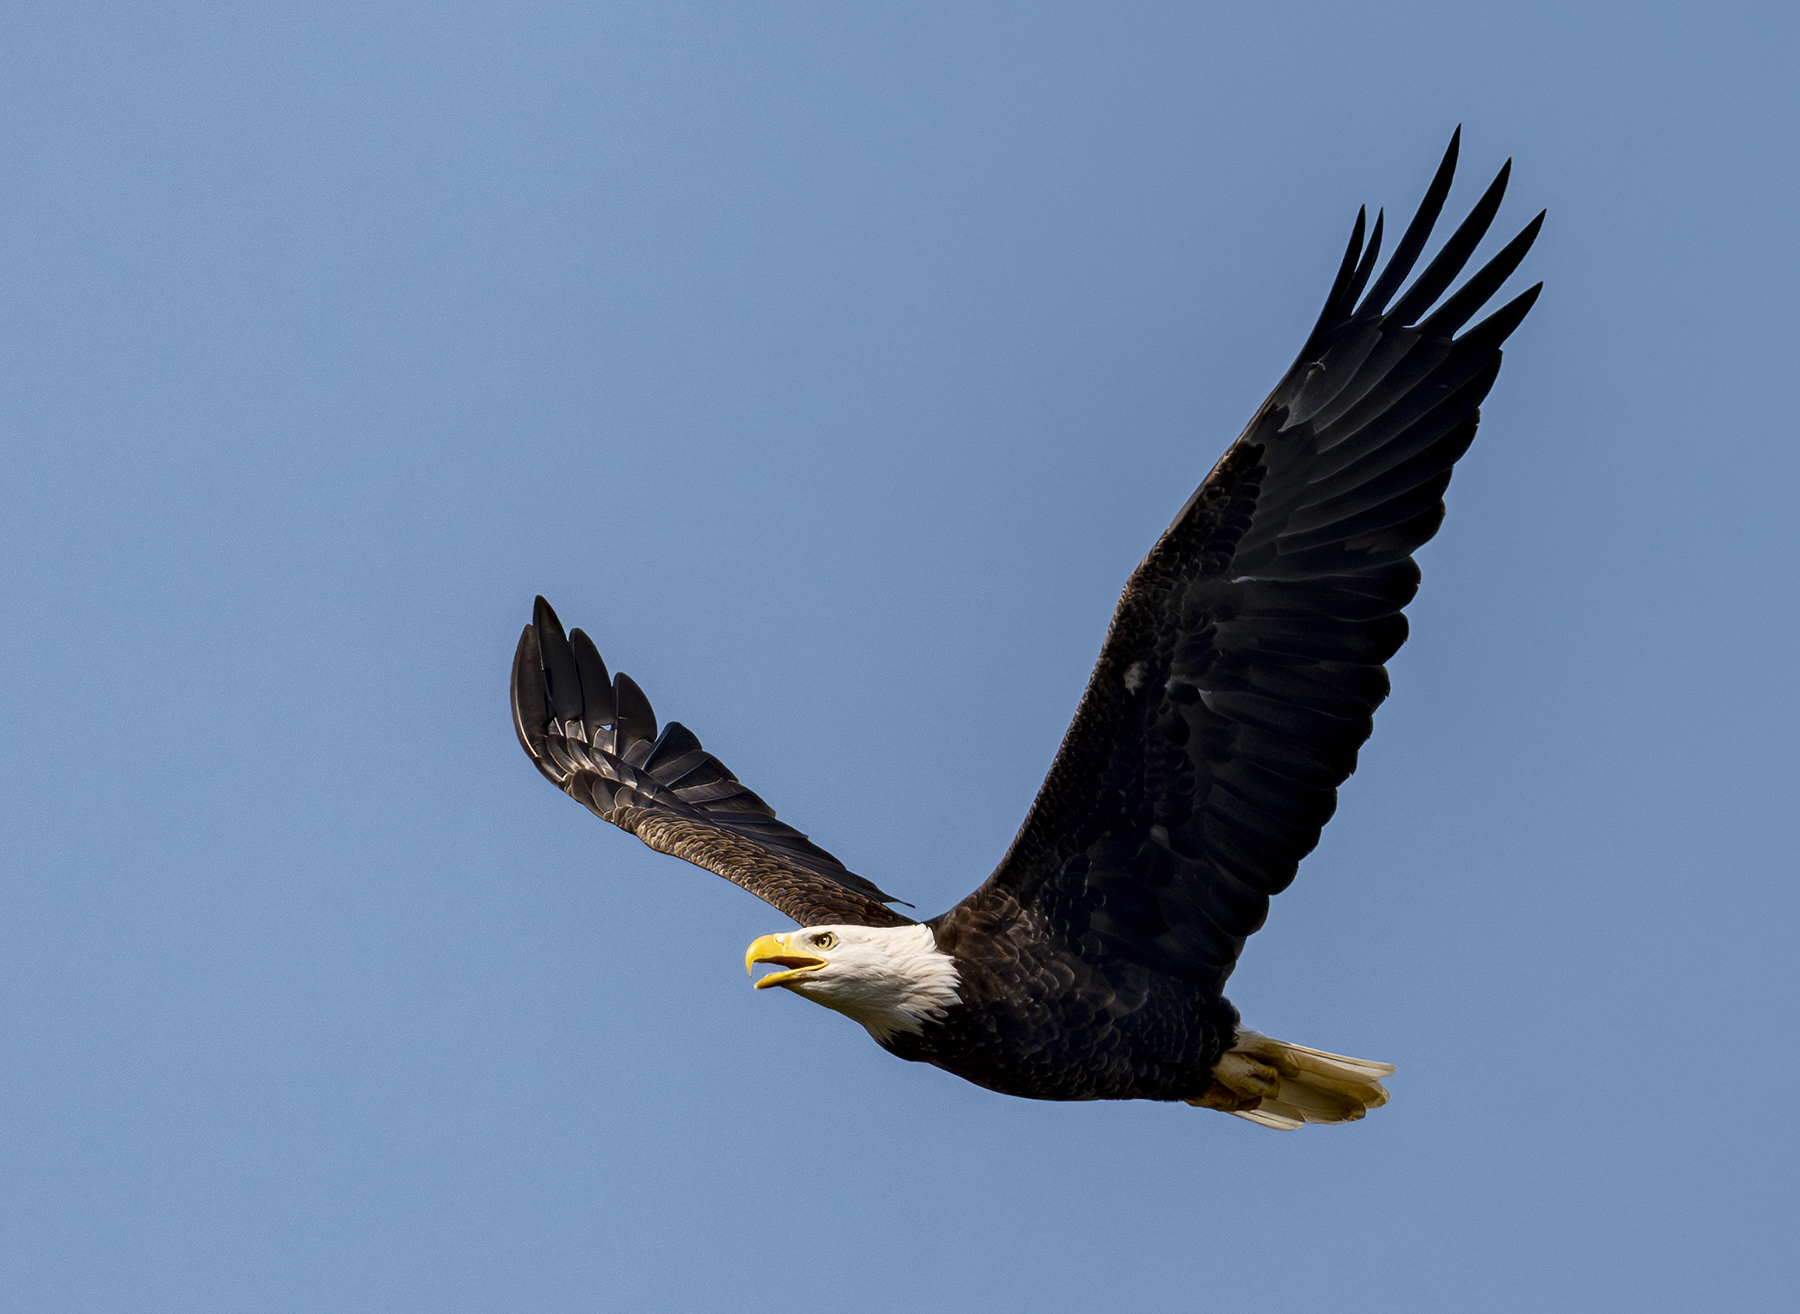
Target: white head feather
x,y
889,978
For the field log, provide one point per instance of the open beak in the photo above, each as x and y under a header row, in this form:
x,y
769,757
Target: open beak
x,y
779,950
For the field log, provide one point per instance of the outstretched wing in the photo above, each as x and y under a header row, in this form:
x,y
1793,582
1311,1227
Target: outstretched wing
x,y
596,740
1244,661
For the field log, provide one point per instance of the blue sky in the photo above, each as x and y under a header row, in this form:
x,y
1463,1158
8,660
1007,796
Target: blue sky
x,y
833,364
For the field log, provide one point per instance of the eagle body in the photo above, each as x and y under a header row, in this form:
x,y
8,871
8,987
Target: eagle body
x,y
1237,683
1039,1020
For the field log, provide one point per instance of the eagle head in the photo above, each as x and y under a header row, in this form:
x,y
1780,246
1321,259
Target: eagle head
x,y
889,978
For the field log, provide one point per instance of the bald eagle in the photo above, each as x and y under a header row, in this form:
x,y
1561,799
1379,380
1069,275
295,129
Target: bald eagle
x,y
1236,684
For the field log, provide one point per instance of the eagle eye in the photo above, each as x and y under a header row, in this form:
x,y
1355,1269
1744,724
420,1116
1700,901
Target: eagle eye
x,y
825,940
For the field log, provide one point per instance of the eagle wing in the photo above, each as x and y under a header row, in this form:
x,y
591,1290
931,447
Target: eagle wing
x,y
1245,659
596,739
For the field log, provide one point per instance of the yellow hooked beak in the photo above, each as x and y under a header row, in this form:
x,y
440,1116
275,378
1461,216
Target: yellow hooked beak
x,y
780,950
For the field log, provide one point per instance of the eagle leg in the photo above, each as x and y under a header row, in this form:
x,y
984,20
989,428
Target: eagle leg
x,y
1239,1083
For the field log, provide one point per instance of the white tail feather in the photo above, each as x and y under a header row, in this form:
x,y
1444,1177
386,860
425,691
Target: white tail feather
x,y
1314,1086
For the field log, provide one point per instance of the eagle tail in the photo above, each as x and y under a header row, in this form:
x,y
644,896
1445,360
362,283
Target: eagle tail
x,y
1275,1084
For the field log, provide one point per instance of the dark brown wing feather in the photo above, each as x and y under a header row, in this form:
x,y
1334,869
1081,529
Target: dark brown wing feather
x,y
596,740
1245,659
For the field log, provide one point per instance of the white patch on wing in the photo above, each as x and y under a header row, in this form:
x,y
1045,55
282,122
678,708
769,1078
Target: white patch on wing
x,y
1134,676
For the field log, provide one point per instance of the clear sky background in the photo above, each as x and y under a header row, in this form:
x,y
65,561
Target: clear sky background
x,y
833,364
